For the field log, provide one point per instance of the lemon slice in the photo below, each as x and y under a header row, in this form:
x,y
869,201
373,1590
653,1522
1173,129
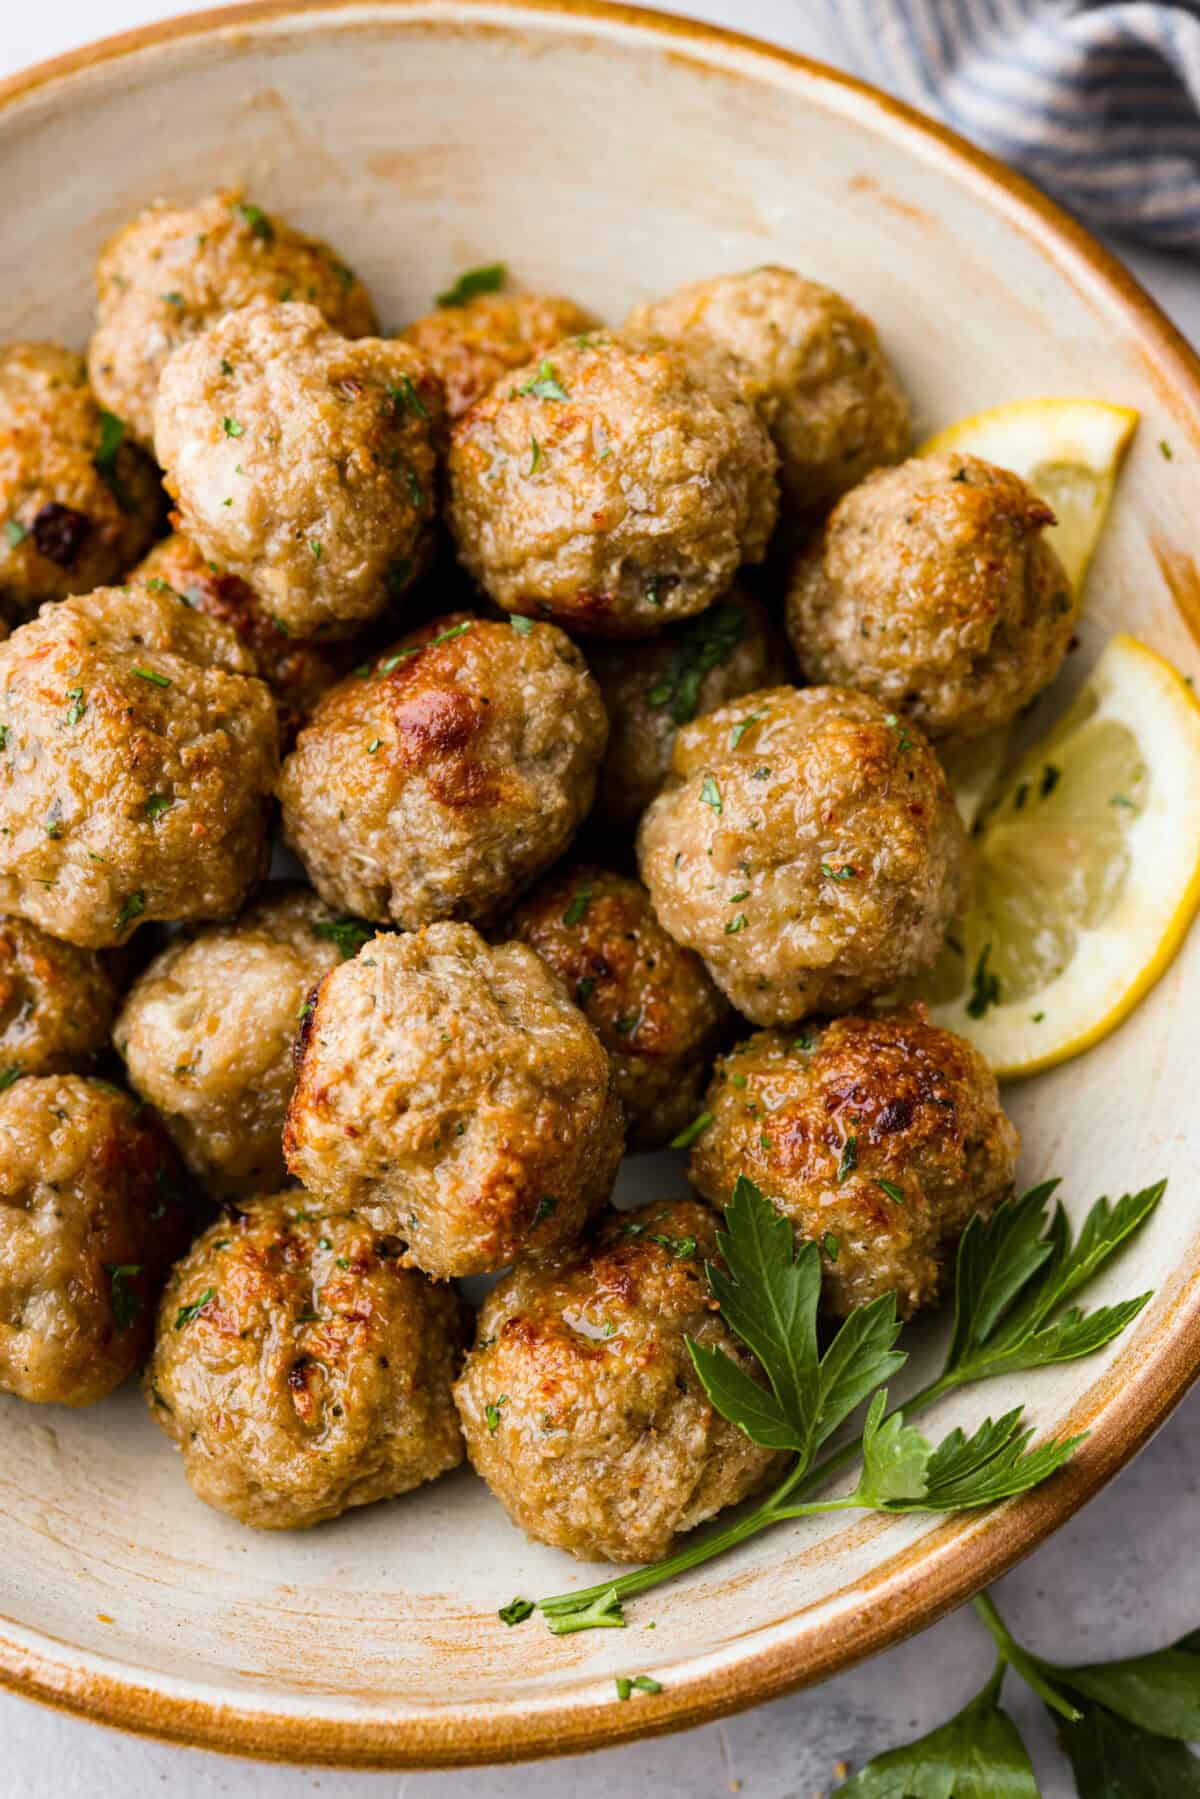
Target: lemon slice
x,y
1087,872
1069,451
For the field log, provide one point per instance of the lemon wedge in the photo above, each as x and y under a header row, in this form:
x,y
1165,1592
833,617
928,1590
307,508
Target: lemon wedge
x,y
1069,451
1086,874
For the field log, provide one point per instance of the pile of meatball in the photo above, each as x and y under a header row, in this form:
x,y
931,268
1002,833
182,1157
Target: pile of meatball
x,y
598,679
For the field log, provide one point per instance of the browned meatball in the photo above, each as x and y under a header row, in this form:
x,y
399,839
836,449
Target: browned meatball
x,y
471,346
92,1212
455,1094
301,1369
616,486
78,504
137,758
439,781
653,687
303,462
581,1405
933,588
878,1137
808,847
296,669
207,1034
812,364
650,1002
56,1002
174,270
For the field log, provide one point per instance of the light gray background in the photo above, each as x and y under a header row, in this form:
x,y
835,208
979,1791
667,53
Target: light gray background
x,y
1123,1577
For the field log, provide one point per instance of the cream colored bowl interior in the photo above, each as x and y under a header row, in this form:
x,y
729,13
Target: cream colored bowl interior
x,y
610,159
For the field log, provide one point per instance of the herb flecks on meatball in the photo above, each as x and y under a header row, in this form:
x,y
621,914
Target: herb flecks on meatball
x,y
303,462
455,1094
581,1405
301,1369
138,753
444,776
78,502
812,364
652,687
615,485
92,1213
472,346
878,1137
175,270
207,1034
807,846
651,1003
934,589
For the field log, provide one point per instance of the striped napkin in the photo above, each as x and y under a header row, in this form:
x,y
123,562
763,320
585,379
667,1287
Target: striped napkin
x,y
1099,103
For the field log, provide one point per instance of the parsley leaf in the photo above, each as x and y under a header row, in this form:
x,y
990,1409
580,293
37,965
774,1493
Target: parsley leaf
x,y
1112,1760
978,1754
963,1472
486,280
768,1298
700,645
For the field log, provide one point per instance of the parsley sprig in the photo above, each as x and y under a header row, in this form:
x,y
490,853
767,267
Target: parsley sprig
x,y
1123,1726
1017,1276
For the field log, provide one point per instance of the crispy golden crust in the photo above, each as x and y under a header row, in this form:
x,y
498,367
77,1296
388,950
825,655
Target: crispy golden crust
x,y
580,1403
933,589
56,1001
807,848
651,1003
615,487
207,1034
455,1095
303,462
441,779
471,347
877,1136
652,687
812,364
298,670
174,270
301,1369
92,1213
76,507
137,766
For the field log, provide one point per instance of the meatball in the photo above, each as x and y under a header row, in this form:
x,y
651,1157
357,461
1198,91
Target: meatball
x,y
175,270
812,364
470,347
439,781
296,669
616,486
301,1369
933,588
650,1002
137,758
454,1093
78,504
808,847
303,462
207,1034
878,1137
92,1213
56,1002
581,1405
666,681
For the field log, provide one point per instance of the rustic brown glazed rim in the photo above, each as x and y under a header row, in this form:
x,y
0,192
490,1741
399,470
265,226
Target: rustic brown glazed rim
x,y
945,1568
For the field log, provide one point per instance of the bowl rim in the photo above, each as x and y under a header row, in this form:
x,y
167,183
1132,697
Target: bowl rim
x,y
949,1565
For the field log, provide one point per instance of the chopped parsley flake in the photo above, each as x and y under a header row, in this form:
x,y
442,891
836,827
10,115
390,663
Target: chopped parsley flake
x,y
349,933
710,794
256,218
15,532
700,645
845,871
77,707
133,908
584,989
894,1193
690,1132
985,986
743,725
231,428
127,1302
740,923
486,280
849,1158
576,912
151,675
547,1207
9,1075
640,1683
156,805
515,1612
522,626
491,1414
535,455
185,1314
545,385
404,397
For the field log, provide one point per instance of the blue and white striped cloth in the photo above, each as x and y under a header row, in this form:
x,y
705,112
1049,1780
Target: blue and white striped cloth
x,y
1099,103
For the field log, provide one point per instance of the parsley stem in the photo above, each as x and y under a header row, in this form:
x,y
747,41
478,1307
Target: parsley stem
x,y
1031,1670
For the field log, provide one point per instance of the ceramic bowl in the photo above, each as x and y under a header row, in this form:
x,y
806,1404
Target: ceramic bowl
x,y
609,154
